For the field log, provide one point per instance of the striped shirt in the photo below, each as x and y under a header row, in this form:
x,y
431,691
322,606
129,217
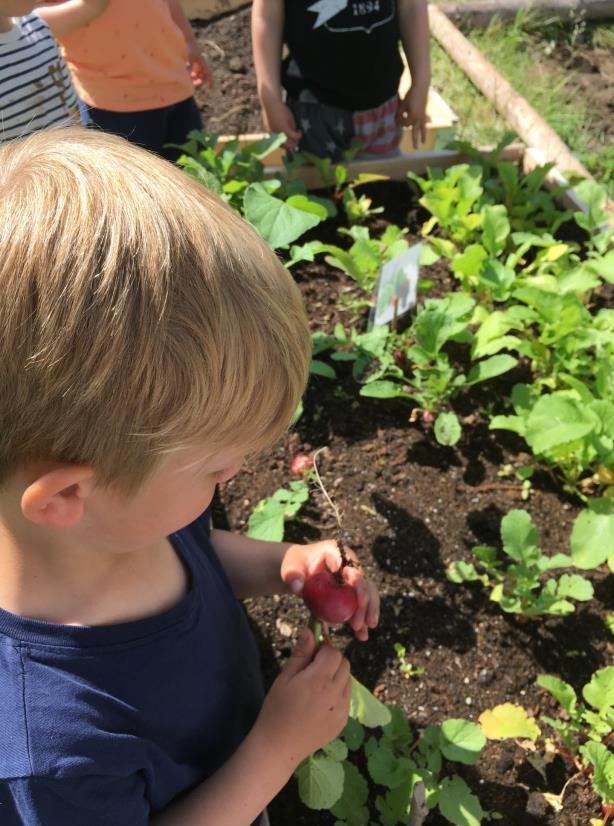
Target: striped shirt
x,y
35,87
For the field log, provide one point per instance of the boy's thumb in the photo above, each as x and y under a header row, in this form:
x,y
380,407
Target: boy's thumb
x,y
302,654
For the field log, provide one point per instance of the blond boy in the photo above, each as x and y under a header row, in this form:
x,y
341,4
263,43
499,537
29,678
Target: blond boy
x,y
149,340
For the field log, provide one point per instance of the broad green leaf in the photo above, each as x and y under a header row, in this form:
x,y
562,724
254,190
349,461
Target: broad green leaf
x,y
556,420
353,734
508,720
602,760
604,266
574,586
599,692
460,571
397,731
447,429
470,261
336,750
497,278
562,692
351,806
261,148
496,228
592,536
321,368
320,781
513,423
267,519
490,367
518,533
277,222
556,561
428,255
393,807
306,204
383,390
203,176
366,708
461,741
491,332
388,769
458,804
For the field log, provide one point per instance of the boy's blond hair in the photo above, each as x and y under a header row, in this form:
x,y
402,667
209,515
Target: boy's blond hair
x,y
138,313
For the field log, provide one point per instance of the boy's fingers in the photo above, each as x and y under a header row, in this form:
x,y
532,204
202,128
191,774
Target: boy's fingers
x,y
343,672
327,660
302,654
372,617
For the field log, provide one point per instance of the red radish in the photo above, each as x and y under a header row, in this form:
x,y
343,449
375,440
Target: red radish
x,y
301,464
328,598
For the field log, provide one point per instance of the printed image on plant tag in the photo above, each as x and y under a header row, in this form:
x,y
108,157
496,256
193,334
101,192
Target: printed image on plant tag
x,y
397,284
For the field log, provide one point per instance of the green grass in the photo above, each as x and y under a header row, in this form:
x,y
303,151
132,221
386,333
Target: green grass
x,y
520,51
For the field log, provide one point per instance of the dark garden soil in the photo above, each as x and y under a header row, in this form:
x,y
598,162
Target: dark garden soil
x,y
410,507
231,107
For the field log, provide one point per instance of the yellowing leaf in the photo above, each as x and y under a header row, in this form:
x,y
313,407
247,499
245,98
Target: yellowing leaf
x,y
508,720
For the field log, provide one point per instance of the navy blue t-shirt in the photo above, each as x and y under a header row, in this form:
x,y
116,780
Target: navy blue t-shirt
x,y
106,725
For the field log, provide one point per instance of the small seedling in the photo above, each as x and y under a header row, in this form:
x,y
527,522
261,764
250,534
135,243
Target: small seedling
x,y
522,474
405,667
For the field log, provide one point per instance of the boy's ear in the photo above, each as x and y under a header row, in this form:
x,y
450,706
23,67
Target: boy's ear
x,y
56,497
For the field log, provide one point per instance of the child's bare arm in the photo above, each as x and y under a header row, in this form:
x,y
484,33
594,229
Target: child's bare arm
x,y
306,707
66,17
258,568
199,68
414,25
267,41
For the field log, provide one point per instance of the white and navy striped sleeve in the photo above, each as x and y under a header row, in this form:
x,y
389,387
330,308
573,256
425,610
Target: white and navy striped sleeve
x,y
36,91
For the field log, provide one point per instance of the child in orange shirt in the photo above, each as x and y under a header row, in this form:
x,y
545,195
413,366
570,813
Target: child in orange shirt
x,y
135,67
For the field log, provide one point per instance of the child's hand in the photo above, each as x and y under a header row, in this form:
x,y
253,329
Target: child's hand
x,y
301,561
411,113
308,704
198,67
278,118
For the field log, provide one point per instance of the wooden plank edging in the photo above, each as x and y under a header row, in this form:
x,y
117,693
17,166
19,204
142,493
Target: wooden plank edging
x,y
479,13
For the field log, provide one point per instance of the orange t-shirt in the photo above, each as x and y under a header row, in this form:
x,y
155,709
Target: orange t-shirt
x,y
131,58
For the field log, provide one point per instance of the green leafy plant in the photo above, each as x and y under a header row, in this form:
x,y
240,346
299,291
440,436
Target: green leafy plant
x,y
269,516
365,257
524,586
569,431
279,208
397,763
585,727
416,366
357,208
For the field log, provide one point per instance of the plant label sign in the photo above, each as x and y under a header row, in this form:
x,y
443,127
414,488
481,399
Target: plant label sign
x,y
397,286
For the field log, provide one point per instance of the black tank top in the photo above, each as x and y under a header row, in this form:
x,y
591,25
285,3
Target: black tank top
x,y
344,52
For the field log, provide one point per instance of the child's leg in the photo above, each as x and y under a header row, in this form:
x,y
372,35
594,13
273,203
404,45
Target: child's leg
x,y
377,129
327,131
146,129
182,118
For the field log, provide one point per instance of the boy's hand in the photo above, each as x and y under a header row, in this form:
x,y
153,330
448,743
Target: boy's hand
x,y
301,561
198,67
278,118
308,704
411,113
